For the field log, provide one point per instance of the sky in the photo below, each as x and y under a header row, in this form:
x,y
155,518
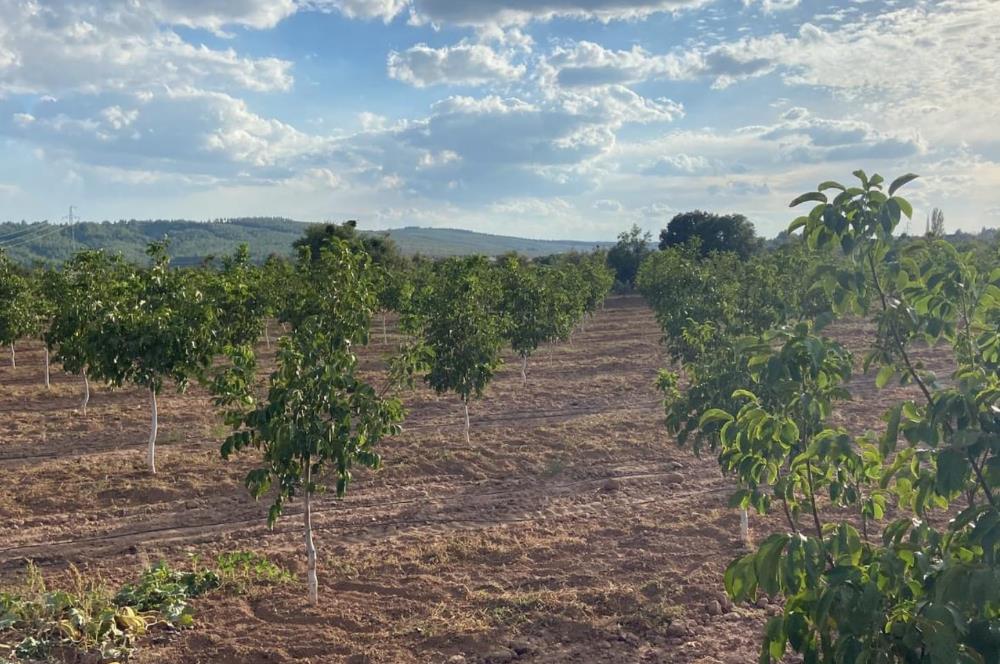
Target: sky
x,y
540,118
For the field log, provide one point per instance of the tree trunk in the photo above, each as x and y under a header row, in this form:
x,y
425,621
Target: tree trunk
x,y
744,527
465,402
151,452
385,334
47,367
524,371
13,359
86,392
267,335
313,581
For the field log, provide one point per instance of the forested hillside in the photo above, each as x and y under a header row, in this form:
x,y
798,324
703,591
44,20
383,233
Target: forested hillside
x,y
193,241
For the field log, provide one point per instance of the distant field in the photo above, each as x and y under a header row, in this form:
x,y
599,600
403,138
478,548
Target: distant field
x,y
193,241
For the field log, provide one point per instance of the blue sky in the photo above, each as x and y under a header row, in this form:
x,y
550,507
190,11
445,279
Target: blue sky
x,y
542,118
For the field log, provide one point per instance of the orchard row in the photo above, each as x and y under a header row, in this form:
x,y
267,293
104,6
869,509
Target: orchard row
x,y
891,545
108,320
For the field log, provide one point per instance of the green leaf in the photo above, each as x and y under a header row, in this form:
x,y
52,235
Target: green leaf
x,y
766,563
952,472
884,375
797,224
888,441
809,196
900,181
904,206
830,184
740,579
714,415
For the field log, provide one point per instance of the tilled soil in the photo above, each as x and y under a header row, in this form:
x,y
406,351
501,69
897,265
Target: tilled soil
x,y
572,529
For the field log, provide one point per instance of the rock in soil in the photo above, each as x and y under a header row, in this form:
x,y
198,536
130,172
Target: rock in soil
x,y
501,656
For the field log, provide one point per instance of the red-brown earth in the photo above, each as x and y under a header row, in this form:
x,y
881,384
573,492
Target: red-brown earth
x,y
572,529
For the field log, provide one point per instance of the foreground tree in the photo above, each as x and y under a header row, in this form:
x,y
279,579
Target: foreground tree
x,y
319,414
924,586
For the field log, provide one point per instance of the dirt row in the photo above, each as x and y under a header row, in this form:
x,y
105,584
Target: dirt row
x,y
571,529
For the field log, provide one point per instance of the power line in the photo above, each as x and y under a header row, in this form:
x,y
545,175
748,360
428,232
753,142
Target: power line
x,y
31,228
33,238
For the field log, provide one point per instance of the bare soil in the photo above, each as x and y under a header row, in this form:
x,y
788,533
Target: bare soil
x,y
572,529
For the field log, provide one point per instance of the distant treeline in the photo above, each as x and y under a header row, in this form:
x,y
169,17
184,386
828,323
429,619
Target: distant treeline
x,y
191,242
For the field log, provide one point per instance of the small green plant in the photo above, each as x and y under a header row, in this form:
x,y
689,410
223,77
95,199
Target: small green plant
x,y
90,620
38,623
241,570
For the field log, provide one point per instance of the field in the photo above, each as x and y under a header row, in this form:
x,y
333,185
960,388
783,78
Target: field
x,y
571,530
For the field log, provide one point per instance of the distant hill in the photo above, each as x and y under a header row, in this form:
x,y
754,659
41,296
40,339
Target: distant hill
x,y
441,242
193,241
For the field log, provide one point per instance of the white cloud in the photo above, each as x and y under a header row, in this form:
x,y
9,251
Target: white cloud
x,y
519,12
119,118
657,210
508,13
182,130
493,147
682,164
926,66
461,64
585,64
608,205
740,188
57,48
385,10
769,6
217,14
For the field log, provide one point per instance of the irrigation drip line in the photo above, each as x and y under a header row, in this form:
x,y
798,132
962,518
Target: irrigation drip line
x,y
482,423
294,511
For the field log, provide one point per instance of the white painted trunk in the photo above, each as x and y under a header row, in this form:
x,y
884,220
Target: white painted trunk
x,y
524,370
385,333
312,579
466,404
47,385
86,393
13,359
744,526
151,452
267,335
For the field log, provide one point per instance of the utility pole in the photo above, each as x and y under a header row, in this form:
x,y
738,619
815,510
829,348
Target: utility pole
x,y
72,225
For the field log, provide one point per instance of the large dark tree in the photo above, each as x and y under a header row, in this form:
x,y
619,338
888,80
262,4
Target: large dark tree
x,y
379,247
624,258
715,233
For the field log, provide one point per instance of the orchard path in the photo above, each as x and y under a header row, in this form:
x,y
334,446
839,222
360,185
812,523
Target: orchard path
x,y
571,529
